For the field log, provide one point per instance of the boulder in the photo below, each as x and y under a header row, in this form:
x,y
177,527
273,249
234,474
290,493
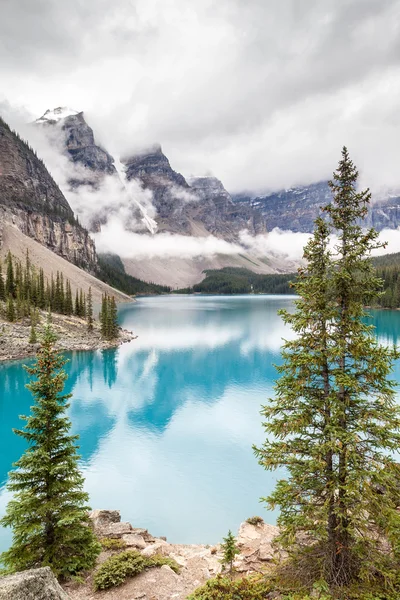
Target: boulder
x,y
35,584
102,519
115,530
159,547
133,540
248,534
144,533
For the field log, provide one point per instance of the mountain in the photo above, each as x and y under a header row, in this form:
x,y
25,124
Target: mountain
x,y
79,143
31,201
296,208
198,207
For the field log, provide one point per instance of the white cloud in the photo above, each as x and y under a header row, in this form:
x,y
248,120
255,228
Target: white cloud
x,y
263,95
114,238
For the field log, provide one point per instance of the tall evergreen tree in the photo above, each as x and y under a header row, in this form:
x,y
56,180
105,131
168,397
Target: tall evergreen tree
x,y
89,310
69,309
230,550
334,421
77,304
2,286
48,512
113,318
41,294
104,316
10,282
10,309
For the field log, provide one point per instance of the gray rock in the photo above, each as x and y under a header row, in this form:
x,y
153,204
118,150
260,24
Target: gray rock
x,y
134,541
159,547
296,208
116,530
103,518
31,200
35,584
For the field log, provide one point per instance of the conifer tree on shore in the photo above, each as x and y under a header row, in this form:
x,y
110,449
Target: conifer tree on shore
x,y
230,550
334,423
2,286
49,512
89,312
10,283
27,288
109,318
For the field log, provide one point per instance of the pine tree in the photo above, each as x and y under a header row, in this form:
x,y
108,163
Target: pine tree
x,y
48,512
89,311
41,294
230,550
32,334
10,309
69,309
82,304
334,421
2,286
104,316
10,282
77,305
113,319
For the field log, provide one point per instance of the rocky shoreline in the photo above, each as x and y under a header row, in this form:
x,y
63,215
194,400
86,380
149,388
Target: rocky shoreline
x,y
198,562
71,331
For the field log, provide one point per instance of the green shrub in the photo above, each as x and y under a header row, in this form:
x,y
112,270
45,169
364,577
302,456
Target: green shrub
x,y
258,587
223,588
112,544
255,520
116,569
158,561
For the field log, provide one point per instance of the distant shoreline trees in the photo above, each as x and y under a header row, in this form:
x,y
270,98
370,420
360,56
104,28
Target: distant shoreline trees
x,y
109,318
24,290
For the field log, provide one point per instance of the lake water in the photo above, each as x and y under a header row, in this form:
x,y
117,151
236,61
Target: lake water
x,y
167,422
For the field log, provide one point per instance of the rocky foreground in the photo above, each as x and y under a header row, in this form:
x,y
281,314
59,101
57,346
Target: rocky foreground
x,y
198,564
71,331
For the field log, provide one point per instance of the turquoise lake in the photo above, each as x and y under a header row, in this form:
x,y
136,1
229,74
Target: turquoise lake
x,y
167,422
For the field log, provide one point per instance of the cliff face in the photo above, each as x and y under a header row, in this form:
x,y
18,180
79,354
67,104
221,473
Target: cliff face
x,y
199,206
220,214
295,209
80,145
32,201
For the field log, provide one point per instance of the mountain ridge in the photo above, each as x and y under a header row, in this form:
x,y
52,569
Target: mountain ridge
x,y
31,200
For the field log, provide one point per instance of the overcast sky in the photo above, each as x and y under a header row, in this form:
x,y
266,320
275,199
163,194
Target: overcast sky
x,y
260,93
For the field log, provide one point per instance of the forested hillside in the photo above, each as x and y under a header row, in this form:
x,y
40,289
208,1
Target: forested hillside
x,y
388,269
232,280
112,271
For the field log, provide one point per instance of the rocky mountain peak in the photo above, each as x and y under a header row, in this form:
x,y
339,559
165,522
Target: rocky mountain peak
x,y
80,145
56,114
31,200
152,166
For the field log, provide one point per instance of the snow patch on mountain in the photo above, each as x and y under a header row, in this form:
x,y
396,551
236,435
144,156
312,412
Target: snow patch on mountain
x,y
148,221
57,114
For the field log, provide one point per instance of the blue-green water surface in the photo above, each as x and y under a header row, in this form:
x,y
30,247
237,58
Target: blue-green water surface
x,y
167,421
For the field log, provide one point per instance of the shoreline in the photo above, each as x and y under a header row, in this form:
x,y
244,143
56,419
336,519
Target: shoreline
x,y
71,331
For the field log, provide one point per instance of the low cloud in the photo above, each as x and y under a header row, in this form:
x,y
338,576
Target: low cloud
x,y
114,238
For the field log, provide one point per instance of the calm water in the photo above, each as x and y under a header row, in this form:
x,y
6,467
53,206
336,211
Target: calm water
x,y
167,422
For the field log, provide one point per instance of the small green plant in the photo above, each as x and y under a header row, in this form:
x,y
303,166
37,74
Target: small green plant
x,y
112,544
255,521
223,588
116,569
230,550
158,561
33,336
